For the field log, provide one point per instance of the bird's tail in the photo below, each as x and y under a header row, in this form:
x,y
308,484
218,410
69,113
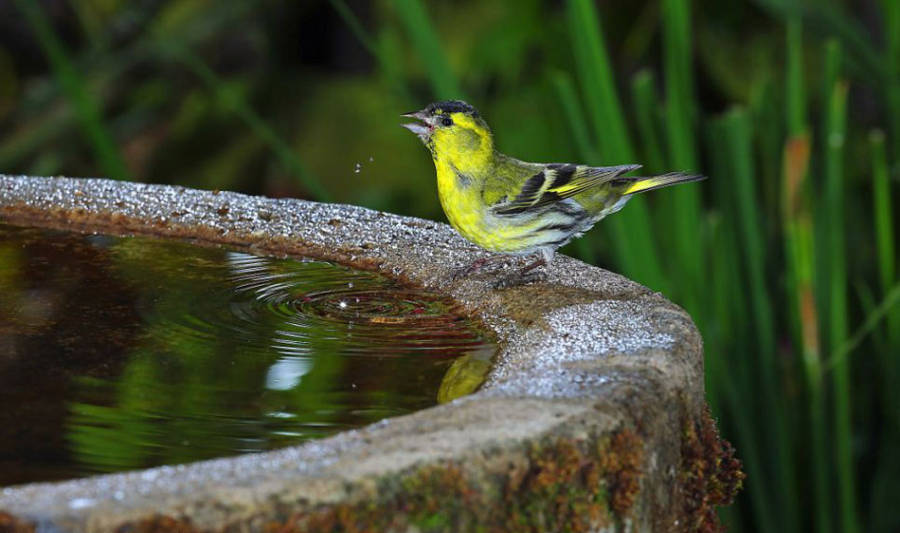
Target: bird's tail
x,y
638,184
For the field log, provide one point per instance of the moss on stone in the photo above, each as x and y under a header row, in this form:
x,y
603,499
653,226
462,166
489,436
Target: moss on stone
x,y
622,464
158,524
12,524
563,485
711,475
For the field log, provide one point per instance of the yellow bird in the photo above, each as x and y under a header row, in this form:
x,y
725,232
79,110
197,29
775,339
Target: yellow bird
x,y
515,207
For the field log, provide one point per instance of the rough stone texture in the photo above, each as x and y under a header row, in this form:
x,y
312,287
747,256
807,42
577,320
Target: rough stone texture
x,y
594,405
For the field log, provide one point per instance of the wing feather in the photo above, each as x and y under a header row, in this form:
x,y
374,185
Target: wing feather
x,y
556,182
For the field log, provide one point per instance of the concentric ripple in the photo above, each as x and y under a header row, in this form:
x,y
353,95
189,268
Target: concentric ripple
x,y
132,352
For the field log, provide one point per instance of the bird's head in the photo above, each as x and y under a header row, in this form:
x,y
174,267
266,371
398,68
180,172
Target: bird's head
x,y
452,129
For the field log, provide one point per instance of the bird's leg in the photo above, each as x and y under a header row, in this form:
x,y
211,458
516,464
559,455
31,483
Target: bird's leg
x,y
477,265
545,259
525,275
533,265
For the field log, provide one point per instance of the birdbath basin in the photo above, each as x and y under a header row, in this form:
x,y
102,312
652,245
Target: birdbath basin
x,y
591,416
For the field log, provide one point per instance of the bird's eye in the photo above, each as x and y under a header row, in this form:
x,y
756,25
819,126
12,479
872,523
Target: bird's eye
x,y
446,121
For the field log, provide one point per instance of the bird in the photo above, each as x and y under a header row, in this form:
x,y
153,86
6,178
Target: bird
x,y
516,207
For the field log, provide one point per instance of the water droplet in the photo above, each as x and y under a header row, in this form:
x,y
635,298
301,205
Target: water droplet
x,y
80,503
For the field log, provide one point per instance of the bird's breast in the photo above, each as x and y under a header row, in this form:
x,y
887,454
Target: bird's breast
x,y
461,200
467,212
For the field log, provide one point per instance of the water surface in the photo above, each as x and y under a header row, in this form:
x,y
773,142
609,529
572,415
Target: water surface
x,y
125,353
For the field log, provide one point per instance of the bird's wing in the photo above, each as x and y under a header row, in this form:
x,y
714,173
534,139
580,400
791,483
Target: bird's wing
x,y
556,182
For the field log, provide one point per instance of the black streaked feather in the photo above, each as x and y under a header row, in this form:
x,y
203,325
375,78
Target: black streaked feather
x,y
526,197
558,242
563,173
582,179
564,227
530,189
515,207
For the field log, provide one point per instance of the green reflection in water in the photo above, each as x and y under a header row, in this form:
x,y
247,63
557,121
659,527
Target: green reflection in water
x,y
124,353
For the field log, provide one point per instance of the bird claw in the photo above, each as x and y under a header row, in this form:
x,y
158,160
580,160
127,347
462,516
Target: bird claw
x,y
527,274
476,266
518,279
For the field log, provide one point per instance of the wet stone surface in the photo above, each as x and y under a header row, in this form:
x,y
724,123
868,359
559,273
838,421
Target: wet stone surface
x,y
584,355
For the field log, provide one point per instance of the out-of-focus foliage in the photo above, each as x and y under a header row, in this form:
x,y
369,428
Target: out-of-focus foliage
x,y
786,257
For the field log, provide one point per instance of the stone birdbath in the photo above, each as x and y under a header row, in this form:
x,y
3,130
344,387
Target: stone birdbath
x,y
591,418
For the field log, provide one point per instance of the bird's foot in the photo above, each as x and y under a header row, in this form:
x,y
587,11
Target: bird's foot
x,y
518,279
492,261
524,276
541,261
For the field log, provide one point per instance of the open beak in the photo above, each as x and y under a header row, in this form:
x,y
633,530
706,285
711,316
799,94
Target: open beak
x,y
423,131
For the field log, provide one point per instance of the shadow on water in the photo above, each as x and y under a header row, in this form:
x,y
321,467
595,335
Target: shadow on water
x,y
126,353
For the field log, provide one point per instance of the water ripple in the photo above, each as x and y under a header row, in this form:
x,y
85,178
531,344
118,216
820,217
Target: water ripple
x,y
137,352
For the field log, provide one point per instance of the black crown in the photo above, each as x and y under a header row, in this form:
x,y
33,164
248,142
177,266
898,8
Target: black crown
x,y
451,106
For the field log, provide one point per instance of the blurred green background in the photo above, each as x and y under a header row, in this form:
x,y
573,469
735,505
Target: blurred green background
x,y
786,257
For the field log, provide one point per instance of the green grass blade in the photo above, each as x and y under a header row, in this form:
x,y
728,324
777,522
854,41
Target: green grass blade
x,y
573,111
680,112
884,226
797,209
646,104
86,107
890,303
427,43
835,131
796,98
822,471
768,119
739,150
737,131
239,106
830,18
800,253
885,483
681,206
598,83
630,230
818,443
730,368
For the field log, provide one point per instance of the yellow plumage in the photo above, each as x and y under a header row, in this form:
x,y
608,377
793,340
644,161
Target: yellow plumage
x,y
506,205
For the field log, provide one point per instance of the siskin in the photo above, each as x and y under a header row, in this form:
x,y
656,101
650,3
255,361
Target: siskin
x,y
515,207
